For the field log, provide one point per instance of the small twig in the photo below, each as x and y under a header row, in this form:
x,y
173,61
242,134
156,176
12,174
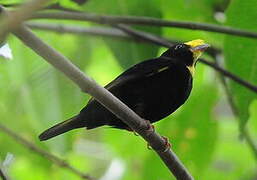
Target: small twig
x,y
107,19
106,99
231,76
56,160
2,175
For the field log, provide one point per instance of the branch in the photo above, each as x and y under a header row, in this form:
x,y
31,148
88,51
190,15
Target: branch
x,y
157,40
106,99
2,175
56,160
148,21
231,76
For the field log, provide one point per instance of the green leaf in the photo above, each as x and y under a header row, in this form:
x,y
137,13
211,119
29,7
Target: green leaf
x,y
240,54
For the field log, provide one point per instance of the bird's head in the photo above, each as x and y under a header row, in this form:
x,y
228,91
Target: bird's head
x,y
187,52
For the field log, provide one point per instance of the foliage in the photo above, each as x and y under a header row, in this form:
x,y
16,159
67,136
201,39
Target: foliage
x,y
203,132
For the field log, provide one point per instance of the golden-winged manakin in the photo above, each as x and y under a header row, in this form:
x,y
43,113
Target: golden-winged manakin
x,y
153,89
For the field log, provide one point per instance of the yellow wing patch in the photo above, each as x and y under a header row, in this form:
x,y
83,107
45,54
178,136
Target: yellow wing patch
x,y
163,69
158,71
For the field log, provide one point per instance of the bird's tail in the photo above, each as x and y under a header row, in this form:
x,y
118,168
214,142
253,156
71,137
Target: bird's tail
x,y
72,123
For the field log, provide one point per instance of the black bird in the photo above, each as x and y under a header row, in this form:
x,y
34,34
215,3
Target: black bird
x,y
154,89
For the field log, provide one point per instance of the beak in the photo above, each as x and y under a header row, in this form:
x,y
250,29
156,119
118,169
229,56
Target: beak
x,y
200,48
197,47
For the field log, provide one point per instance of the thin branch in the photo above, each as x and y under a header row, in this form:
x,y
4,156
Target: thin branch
x,y
148,21
157,40
231,76
56,160
2,175
106,99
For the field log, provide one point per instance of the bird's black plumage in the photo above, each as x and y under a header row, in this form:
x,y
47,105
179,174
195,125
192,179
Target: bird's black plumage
x,y
153,89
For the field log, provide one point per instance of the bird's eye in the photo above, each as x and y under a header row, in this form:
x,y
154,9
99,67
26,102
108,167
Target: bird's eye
x,y
179,46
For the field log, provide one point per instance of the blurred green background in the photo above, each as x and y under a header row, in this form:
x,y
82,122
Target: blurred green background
x,y
204,133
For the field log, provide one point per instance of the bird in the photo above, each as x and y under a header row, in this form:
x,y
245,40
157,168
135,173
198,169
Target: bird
x,y
153,89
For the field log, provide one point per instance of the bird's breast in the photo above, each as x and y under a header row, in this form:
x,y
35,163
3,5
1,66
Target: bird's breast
x,y
165,92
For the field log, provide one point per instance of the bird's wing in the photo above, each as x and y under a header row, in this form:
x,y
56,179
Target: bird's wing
x,y
142,70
